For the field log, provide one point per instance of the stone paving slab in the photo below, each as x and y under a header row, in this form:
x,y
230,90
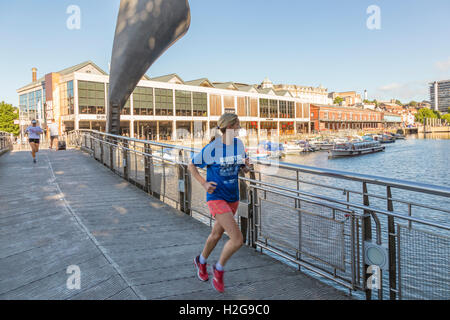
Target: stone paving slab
x,y
68,209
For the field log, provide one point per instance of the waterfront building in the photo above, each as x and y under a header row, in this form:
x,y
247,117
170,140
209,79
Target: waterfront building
x,y
162,108
392,120
440,95
333,118
350,98
392,107
318,95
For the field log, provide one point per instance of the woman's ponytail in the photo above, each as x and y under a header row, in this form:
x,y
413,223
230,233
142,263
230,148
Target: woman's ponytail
x,y
226,120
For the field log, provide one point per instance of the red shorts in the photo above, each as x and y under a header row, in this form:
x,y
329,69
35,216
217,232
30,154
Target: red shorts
x,y
221,206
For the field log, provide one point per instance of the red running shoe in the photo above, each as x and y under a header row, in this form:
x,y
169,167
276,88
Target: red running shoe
x,y
217,282
202,273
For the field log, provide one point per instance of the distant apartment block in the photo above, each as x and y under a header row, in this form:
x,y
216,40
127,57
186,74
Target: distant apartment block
x,y
440,95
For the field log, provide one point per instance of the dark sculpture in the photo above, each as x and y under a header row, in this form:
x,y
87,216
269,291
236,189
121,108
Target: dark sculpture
x,y
144,30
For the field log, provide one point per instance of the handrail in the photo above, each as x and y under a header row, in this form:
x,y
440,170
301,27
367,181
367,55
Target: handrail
x,y
376,180
344,203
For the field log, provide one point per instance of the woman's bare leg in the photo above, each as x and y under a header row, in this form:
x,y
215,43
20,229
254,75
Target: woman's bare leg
x,y
33,150
213,239
227,222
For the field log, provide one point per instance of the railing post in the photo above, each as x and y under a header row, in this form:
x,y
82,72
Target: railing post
x,y
125,159
184,187
243,195
367,236
392,248
93,145
101,138
251,214
148,163
111,153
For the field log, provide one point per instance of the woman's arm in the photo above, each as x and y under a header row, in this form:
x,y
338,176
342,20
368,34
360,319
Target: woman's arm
x,y
247,167
209,186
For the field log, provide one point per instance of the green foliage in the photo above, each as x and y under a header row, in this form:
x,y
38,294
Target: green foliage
x,y
338,100
427,113
446,117
7,116
437,113
398,102
413,104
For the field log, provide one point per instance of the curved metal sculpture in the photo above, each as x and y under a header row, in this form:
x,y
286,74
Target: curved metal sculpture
x,y
144,30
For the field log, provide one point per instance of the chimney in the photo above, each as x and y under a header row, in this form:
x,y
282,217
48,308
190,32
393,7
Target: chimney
x,y
34,71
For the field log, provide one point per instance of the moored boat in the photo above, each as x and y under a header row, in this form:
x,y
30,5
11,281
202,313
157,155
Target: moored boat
x,y
289,148
355,149
322,145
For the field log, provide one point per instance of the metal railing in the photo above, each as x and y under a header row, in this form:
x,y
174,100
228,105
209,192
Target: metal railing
x,y
5,142
380,237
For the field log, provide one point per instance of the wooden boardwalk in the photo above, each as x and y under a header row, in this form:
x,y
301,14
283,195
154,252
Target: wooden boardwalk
x,y
68,210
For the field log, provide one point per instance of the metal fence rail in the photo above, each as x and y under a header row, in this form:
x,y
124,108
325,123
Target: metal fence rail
x,y
6,140
383,237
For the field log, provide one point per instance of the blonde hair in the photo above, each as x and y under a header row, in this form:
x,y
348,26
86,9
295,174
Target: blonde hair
x,y
226,120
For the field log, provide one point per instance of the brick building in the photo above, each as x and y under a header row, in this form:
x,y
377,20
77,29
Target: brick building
x,y
332,118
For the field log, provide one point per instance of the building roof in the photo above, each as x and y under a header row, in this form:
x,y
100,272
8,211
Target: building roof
x,y
342,107
225,85
169,78
200,83
80,66
267,91
67,71
284,93
248,88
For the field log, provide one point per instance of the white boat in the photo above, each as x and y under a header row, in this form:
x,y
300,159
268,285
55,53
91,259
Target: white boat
x,y
355,149
259,153
322,145
291,149
340,140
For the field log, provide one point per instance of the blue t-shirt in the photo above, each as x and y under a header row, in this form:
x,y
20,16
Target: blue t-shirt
x,y
223,163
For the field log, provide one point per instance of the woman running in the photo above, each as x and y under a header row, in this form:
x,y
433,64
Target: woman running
x,y
34,132
224,156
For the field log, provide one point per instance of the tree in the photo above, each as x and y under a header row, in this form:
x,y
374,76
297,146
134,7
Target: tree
x,y
7,116
413,104
425,113
338,100
398,102
448,110
446,117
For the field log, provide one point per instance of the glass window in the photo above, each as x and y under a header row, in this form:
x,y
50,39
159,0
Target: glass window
x,y
273,106
264,108
200,104
143,101
91,96
183,103
163,102
291,109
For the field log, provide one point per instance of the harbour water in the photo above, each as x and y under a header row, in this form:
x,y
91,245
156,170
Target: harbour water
x,y
421,158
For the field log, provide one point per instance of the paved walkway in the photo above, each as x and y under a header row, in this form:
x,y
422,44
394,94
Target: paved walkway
x,y
69,209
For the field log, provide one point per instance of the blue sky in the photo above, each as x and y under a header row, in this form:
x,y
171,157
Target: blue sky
x,y
290,41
